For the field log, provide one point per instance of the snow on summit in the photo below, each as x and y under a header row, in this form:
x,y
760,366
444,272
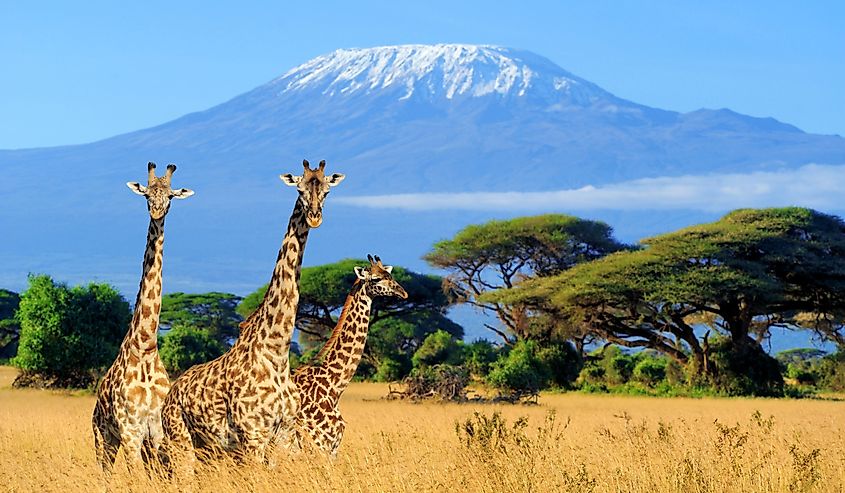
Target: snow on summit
x,y
443,70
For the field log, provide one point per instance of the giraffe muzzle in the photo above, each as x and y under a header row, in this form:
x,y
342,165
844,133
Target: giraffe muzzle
x,y
314,219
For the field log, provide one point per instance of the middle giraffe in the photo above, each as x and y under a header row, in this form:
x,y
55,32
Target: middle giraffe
x,y
321,385
239,402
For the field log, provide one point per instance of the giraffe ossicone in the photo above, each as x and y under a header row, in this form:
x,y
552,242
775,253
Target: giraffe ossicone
x,y
127,412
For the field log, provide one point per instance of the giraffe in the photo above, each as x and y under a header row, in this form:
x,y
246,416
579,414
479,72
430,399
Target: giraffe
x,y
321,385
129,397
238,402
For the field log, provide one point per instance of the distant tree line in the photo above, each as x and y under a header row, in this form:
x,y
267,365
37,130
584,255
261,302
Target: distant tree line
x,y
685,312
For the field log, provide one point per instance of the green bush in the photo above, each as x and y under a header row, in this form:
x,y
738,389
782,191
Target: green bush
x,y
743,369
439,347
67,333
562,363
608,366
803,374
519,371
392,369
184,347
478,356
10,328
650,371
831,371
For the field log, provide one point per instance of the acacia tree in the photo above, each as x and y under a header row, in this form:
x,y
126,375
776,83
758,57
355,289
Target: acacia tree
x,y
748,272
501,254
214,313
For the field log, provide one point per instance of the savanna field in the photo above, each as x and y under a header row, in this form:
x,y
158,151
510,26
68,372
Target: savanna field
x,y
568,442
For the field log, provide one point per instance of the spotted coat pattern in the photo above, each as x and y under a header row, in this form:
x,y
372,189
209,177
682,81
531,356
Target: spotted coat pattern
x,y
129,397
238,403
321,385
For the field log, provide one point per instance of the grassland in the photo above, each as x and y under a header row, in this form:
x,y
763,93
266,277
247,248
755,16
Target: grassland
x,y
570,442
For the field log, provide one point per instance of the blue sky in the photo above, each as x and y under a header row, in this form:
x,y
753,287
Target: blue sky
x,y
75,72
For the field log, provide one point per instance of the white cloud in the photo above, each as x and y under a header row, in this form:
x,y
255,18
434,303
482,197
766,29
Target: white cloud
x,y
813,185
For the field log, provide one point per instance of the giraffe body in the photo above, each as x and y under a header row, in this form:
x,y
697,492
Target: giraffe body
x,y
129,397
321,385
240,401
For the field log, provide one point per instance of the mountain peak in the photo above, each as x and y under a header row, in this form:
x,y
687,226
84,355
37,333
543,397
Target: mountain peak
x,y
447,71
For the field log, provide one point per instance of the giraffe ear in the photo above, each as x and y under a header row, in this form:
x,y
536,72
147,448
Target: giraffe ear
x,y
290,180
137,187
360,273
388,268
335,179
182,193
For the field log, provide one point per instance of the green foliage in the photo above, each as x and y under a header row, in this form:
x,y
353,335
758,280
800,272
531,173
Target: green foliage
x,y
68,332
529,367
10,328
520,371
499,254
392,368
478,356
214,313
438,347
743,369
831,371
562,361
185,346
650,371
734,275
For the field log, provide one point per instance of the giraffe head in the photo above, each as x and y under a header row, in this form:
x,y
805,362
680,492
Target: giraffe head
x,y
378,281
158,191
313,186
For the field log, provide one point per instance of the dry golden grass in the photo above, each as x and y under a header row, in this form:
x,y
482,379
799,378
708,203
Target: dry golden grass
x,y
593,443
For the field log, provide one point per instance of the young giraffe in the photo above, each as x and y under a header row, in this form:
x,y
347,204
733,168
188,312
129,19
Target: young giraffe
x,y
129,397
321,385
238,402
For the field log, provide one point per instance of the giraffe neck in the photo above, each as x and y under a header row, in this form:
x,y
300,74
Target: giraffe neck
x,y
271,325
142,335
342,352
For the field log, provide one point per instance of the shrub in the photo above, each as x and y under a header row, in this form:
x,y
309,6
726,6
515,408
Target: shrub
x,y
650,371
392,368
184,347
743,369
562,363
68,333
520,372
438,347
478,356
831,371
608,366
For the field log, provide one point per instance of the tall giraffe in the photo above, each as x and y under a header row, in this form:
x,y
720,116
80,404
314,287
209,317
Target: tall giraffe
x,y
321,385
238,402
129,397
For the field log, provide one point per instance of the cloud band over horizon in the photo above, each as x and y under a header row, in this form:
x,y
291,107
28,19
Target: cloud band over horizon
x,y
813,185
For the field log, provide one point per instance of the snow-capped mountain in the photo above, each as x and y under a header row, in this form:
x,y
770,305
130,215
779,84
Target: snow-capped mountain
x,y
396,119
438,71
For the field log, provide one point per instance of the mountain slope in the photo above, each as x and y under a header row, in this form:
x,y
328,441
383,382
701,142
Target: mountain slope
x,y
416,118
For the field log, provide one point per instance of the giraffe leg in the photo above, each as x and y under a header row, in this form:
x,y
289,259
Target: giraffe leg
x,y
336,439
106,444
133,446
152,453
177,449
